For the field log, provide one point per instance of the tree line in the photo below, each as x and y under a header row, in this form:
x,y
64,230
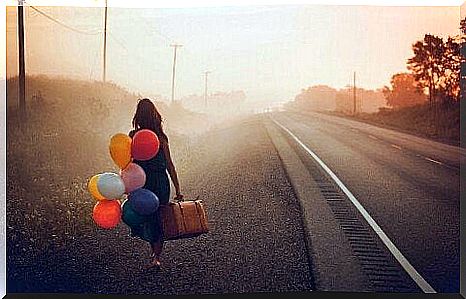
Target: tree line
x,y
433,76
434,73
326,98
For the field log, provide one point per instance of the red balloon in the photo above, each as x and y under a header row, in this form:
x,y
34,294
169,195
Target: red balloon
x,y
107,213
144,145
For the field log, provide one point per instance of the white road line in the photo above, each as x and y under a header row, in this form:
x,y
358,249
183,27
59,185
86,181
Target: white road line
x,y
418,279
434,161
396,146
373,137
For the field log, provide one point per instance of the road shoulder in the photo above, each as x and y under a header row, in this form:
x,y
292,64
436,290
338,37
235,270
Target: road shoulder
x,y
334,266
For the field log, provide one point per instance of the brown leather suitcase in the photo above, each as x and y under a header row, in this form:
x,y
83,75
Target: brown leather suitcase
x,y
185,219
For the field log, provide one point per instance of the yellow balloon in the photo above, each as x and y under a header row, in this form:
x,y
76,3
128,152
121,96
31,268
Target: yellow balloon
x,y
92,186
120,149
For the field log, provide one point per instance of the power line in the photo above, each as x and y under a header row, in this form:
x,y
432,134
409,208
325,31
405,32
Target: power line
x,y
164,36
63,24
122,45
32,14
159,33
118,41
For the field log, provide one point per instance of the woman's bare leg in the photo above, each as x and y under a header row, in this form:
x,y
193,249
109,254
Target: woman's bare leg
x,y
157,248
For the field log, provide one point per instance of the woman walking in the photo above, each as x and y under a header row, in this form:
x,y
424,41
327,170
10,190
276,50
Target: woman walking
x,y
147,117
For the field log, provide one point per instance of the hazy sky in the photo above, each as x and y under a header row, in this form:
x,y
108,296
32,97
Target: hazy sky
x,y
270,52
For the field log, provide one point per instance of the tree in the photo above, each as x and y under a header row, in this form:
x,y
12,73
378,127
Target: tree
x,y
463,26
426,65
463,62
317,97
450,81
404,91
344,100
437,64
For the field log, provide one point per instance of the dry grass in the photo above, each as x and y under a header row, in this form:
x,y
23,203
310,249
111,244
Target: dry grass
x,y
421,120
54,151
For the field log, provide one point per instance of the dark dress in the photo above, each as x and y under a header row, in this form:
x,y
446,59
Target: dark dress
x,y
156,181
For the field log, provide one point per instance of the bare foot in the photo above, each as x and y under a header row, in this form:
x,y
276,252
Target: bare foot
x,y
155,263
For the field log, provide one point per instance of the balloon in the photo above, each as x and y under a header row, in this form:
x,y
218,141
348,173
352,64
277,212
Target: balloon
x,y
120,149
133,177
143,201
107,213
129,215
92,186
110,185
145,145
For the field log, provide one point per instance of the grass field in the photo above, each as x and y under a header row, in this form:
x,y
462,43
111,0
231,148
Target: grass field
x,y
422,121
53,152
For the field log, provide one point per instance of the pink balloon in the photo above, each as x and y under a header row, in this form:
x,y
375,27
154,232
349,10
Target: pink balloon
x,y
133,177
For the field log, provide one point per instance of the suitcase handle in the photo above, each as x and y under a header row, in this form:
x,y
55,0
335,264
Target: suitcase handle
x,y
176,201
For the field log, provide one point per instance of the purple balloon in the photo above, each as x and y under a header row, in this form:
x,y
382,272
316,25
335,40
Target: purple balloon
x,y
133,177
143,201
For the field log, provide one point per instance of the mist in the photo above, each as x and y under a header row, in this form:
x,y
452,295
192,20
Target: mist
x,y
269,53
292,124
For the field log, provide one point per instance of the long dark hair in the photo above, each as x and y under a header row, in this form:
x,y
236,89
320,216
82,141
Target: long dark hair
x,y
147,117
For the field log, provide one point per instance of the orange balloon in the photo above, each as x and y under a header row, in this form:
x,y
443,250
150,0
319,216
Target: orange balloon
x,y
107,213
120,149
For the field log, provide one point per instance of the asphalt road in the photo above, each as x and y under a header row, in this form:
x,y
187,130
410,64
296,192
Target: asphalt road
x,y
409,185
256,242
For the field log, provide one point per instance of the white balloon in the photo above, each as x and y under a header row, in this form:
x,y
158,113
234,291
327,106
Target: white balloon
x,y
110,185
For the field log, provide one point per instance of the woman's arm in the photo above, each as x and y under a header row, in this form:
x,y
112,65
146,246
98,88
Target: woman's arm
x,y
171,169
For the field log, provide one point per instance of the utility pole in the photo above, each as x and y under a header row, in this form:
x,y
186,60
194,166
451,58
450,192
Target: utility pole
x,y
354,93
205,90
22,68
105,44
175,46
